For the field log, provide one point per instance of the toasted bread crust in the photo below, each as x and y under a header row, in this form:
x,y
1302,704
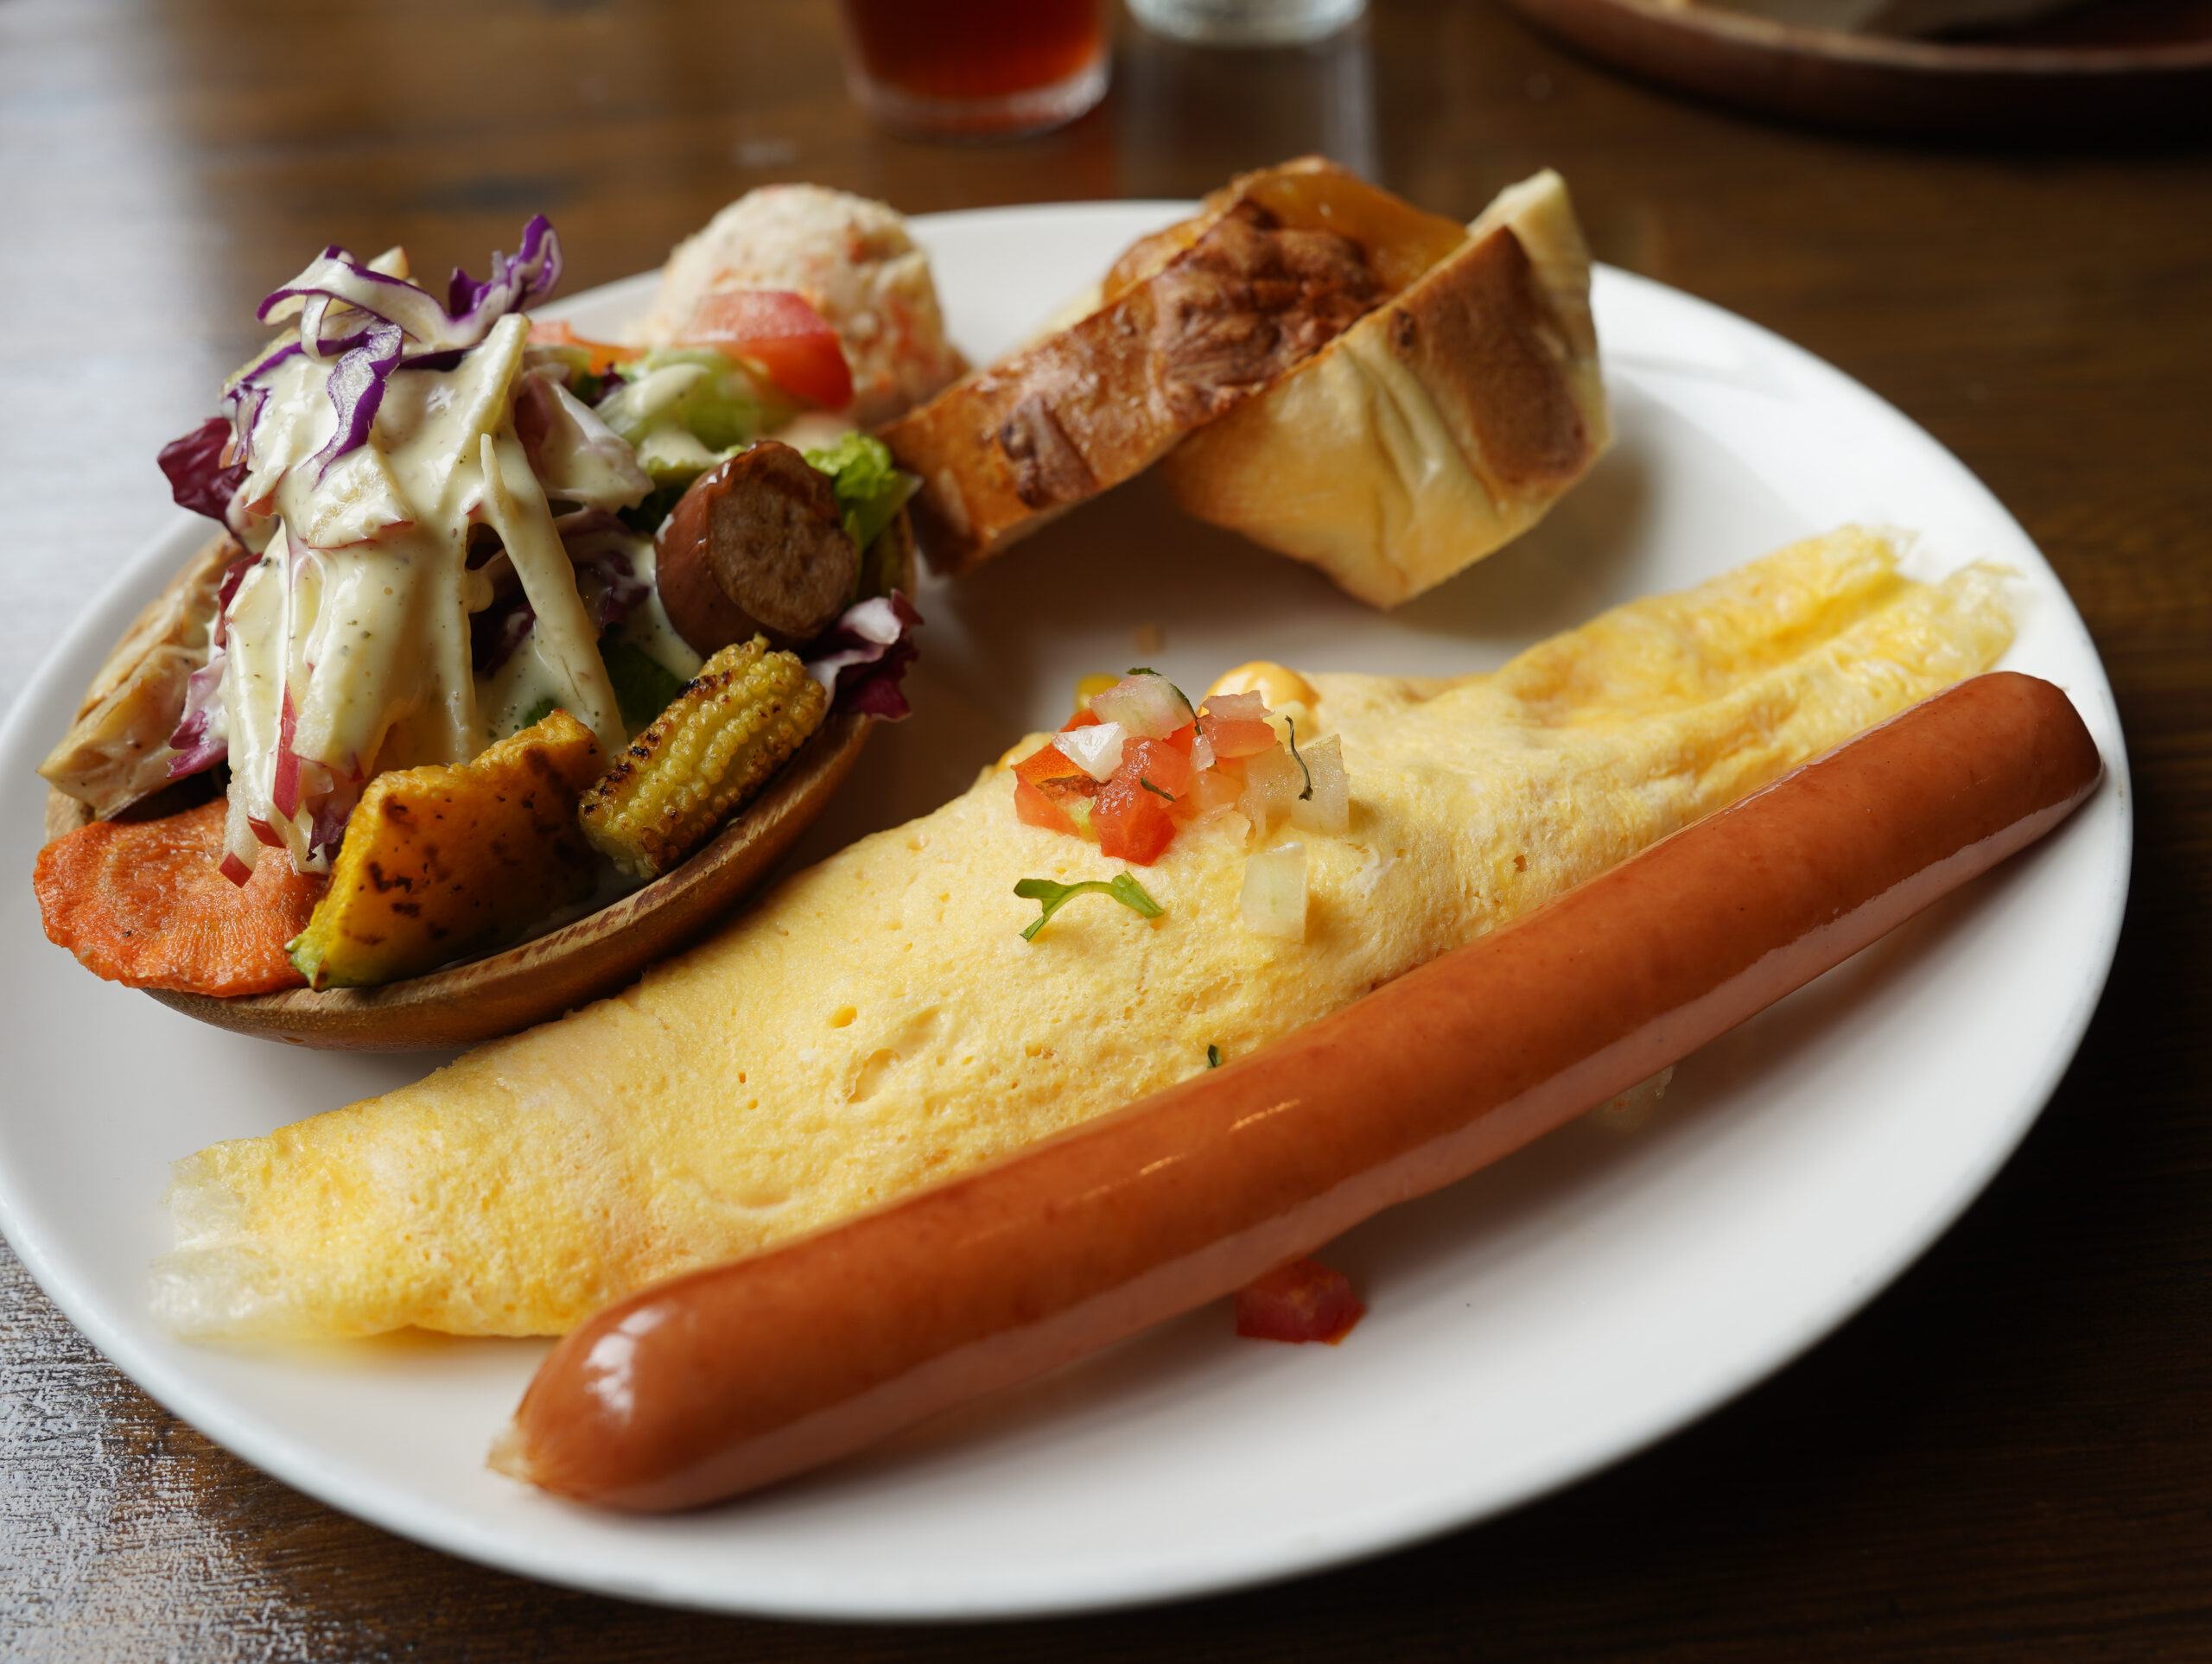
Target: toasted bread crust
x,y
1437,428
1194,330
1490,355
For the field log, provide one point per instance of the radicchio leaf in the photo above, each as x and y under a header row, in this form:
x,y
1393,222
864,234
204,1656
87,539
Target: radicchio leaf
x,y
199,741
328,830
495,632
860,659
198,478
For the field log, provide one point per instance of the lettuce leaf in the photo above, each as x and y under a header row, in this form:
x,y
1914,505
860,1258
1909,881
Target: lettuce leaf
x,y
871,488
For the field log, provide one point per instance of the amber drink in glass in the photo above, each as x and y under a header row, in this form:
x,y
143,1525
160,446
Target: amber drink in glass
x,y
977,68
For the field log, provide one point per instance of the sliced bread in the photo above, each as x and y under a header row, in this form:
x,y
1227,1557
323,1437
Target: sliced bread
x,y
1441,425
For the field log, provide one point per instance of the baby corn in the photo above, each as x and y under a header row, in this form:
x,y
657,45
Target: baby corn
x,y
746,712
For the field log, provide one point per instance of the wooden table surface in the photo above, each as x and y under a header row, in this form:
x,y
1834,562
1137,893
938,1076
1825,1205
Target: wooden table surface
x,y
2009,1456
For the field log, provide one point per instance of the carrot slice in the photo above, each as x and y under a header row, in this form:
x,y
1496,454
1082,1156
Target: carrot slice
x,y
144,903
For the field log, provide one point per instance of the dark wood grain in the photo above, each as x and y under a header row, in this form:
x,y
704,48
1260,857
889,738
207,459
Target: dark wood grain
x,y
2007,1457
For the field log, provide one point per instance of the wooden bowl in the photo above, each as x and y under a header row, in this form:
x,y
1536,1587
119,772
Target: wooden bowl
x,y
481,999
538,980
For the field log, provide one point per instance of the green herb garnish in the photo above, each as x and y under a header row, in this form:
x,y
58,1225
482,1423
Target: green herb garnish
x,y
660,502
1213,1056
1291,722
538,712
1154,790
871,488
1123,887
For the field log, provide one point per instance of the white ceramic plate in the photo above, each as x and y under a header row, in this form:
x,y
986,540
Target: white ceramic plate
x,y
1591,1294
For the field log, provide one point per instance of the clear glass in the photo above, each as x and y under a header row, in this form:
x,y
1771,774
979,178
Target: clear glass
x,y
1247,22
1176,98
976,68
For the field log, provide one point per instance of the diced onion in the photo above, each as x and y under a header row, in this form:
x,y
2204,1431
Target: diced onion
x,y
1211,791
1095,750
1273,901
1146,705
1329,809
1272,783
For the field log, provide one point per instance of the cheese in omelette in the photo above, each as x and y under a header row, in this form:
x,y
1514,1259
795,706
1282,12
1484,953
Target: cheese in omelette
x,y
877,1022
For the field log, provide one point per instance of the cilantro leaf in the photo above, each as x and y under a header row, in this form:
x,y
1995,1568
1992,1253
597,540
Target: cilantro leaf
x,y
1291,722
1123,887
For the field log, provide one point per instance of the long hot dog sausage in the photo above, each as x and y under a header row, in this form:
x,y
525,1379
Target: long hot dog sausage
x,y
729,1378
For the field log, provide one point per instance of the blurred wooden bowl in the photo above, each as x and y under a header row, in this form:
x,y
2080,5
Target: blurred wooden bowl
x,y
2123,70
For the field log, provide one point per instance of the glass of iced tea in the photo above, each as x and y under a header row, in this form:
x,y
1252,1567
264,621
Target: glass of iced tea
x,y
975,68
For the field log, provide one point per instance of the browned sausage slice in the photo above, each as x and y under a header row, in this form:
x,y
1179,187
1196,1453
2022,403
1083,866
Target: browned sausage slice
x,y
757,546
730,1378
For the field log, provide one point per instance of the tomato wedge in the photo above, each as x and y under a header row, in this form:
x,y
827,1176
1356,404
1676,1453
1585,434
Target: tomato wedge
x,y
779,331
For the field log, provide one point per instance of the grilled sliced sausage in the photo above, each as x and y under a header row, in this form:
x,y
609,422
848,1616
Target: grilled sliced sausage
x,y
757,546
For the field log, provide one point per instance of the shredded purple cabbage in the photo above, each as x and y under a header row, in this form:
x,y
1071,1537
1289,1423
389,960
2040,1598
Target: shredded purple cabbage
x,y
598,546
357,384
515,285
374,324
861,660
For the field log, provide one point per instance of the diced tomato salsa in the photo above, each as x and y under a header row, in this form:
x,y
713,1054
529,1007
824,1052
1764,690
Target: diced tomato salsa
x,y
1132,822
1235,725
1299,1302
1159,785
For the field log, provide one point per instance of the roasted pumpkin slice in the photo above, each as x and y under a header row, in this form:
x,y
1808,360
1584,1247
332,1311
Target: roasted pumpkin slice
x,y
439,862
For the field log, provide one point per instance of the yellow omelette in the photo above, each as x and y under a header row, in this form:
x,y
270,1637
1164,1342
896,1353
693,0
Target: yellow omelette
x,y
877,1022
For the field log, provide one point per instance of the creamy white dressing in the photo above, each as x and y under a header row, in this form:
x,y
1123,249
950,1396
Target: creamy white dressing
x,y
647,627
359,606
565,640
